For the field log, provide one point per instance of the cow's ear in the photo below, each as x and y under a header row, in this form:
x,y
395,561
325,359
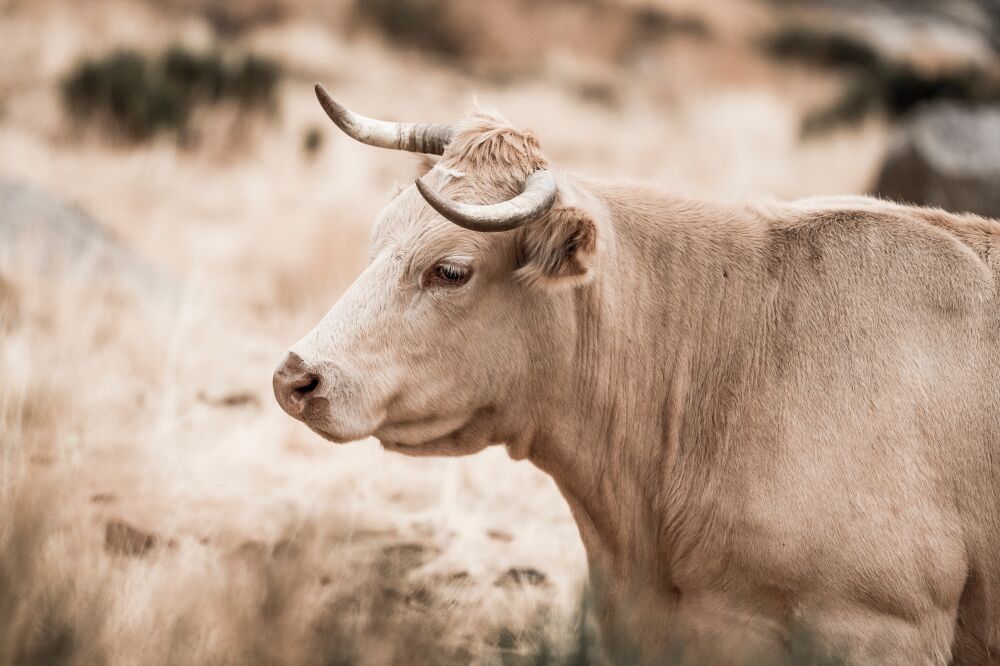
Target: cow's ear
x,y
559,249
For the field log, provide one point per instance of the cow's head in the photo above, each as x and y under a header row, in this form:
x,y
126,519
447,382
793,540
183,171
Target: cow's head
x,y
453,336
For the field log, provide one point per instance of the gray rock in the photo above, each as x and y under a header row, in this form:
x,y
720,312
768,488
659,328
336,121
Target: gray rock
x,y
520,576
947,156
42,233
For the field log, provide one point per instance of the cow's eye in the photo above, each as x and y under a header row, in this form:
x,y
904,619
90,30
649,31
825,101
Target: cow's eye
x,y
451,275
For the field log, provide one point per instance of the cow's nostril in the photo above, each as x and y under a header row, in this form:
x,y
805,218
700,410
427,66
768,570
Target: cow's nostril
x,y
310,384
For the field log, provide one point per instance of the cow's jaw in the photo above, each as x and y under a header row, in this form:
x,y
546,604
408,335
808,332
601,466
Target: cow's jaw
x,y
413,433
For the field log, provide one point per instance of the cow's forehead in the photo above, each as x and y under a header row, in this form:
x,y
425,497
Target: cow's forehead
x,y
407,212
411,227
486,162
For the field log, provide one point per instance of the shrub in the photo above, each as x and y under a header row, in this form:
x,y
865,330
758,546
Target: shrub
x,y
897,89
420,24
904,87
876,83
120,90
253,81
653,23
137,97
196,76
821,48
312,141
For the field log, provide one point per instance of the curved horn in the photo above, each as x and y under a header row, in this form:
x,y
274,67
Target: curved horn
x,y
537,198
414,137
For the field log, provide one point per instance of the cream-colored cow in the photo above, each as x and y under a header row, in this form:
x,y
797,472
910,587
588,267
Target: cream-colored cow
x,y
777,425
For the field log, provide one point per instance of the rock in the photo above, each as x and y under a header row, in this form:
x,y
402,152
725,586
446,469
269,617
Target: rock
x,y
57,230
42,233
500,535
234,399
947,156
452,579
120,538
520,576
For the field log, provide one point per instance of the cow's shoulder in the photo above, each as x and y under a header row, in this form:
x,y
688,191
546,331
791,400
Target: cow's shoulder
x,y
861,254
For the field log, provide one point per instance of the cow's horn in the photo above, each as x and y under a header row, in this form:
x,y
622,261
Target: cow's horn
x,y
537,198
414,137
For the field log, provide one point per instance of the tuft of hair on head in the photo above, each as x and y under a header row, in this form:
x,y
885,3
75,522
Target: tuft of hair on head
x,y
559,249
496,152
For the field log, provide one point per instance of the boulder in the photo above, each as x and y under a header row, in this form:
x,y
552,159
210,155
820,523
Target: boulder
x,y
42,233
946,156
520,576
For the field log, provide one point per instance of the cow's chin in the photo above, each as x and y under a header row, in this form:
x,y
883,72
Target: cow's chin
x,y
339,428
436,436
337,438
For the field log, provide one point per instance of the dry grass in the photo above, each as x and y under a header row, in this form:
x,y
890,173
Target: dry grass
x,y
260,545
153,408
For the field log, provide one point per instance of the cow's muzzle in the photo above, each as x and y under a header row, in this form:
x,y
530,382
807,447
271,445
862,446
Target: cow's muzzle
x,y
295,384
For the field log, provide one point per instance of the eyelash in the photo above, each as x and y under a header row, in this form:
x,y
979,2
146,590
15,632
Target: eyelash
x,y
448,275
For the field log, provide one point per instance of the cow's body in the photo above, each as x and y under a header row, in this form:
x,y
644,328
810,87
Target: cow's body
x,y
777,425
787,435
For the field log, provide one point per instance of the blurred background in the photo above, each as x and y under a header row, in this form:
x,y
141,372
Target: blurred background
x,y
176,210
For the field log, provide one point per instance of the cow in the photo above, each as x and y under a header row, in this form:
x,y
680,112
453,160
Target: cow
x,y
777,425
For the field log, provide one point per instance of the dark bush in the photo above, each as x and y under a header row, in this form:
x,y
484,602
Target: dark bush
x,y
252,82
652,23
137,97
120,90
821,48
312,141
197,76
419,24
905,88
851,108
897,89
876,83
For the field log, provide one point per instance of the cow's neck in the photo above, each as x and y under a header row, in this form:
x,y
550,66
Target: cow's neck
x,y
656,378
